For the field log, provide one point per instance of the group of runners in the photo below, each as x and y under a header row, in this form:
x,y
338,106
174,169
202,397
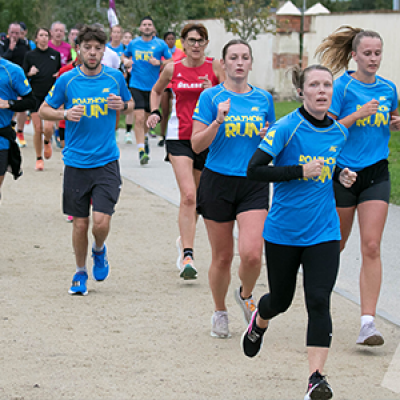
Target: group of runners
x,y
327,159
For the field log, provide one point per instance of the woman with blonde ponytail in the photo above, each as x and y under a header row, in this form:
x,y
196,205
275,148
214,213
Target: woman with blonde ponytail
x,y
367,105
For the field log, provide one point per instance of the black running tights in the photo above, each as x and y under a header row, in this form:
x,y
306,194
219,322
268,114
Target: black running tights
x,y
320,267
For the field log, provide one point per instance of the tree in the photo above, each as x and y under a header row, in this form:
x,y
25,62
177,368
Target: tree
x,y
245,18
361,5
168,15
17,10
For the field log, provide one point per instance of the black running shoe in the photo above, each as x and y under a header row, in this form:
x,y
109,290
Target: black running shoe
x,y
318,388
252,337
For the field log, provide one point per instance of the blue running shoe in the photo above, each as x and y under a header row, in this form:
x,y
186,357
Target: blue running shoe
x,y
79,284
101,268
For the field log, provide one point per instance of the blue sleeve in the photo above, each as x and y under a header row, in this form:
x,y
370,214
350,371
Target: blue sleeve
x,y
203,111
128,51
20,82
166,52
125,93
271,110
395,100
56,96
275,140
337,99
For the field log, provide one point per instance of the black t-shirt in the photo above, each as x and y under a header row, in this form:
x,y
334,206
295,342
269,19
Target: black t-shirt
x,y
48,62
17,55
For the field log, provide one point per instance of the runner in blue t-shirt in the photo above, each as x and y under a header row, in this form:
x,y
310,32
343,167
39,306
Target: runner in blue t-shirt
x,y
91,94
302,227
230,119
13,84
144,55
367,105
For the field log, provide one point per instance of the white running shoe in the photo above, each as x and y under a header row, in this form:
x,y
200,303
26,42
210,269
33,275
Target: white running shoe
x,y
128,138
220,325
370,336
247,306
179,247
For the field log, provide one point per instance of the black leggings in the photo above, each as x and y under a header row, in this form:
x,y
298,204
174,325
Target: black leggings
x,y
320,267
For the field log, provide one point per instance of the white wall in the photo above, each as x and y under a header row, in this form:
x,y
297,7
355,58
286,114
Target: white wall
x,y
386,24
263,74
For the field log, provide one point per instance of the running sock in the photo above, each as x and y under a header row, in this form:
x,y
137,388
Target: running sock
x,y
140,147
39,158
20,131
188,253
366,319
128,128
97,249
46,141
81,269
244,298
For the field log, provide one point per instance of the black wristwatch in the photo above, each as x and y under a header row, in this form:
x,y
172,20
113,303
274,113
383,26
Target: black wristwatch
x,y
11,103
125,106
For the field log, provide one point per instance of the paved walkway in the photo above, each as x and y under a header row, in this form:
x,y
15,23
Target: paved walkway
x,y
127,336
158,177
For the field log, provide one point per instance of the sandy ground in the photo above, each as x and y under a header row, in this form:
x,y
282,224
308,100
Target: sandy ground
x,y
144,333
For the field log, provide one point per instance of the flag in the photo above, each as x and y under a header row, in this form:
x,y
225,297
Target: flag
x,y
112,15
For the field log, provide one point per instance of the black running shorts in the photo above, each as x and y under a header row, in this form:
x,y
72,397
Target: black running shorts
x,y
372,183
141,99
101,186
39,101
184,148
221,198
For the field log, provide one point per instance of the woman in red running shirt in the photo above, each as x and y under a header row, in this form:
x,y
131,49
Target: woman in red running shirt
x,y
187,78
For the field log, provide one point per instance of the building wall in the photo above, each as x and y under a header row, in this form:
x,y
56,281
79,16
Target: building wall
x,y
386,24
275,54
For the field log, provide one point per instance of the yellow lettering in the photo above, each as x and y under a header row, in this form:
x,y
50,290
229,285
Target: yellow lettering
x,y
380,118
325,174
232,129
95,110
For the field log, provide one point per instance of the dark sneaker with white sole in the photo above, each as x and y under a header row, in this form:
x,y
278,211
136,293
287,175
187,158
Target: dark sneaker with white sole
x,y
252,337
318,388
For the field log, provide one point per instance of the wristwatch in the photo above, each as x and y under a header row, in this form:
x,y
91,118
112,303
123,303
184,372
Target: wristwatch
x,y
66,115
11,103
125,106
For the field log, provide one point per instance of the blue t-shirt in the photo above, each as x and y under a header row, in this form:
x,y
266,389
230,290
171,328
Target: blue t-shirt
x,y
89,143
119,50
143,74
13,83
303,211
368,140
238,136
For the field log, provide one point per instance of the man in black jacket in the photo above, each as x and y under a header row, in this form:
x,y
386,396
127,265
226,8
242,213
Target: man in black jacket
x,y
14,49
